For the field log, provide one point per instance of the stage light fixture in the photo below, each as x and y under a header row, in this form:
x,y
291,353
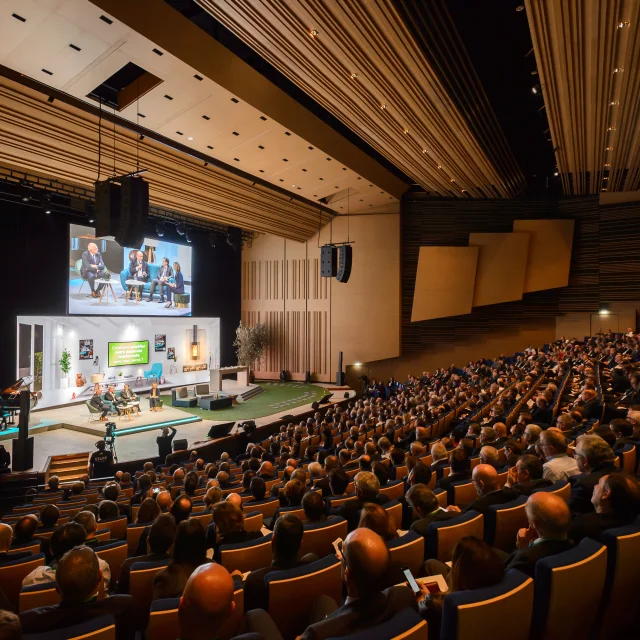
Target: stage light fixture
x,y
535,89
556,174
46,203
213,241
180,229
188,235
160,230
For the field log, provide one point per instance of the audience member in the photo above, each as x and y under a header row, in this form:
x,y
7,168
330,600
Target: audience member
x,y
526,476
558,465
6,536
595,459
487,484
374,517
367,488
314,508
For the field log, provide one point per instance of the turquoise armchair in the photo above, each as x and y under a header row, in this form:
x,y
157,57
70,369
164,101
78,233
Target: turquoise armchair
x,y
154,372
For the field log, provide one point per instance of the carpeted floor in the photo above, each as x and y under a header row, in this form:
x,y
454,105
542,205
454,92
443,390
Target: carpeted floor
x,y
278,397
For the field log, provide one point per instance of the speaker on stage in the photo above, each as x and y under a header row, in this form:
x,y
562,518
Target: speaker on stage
x,y
345,256
23,419
22,458
220,430
180,445
289,416
134,212
328,261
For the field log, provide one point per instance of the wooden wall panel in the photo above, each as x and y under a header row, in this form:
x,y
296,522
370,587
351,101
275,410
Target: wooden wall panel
x,y
549,256
502,262
444,282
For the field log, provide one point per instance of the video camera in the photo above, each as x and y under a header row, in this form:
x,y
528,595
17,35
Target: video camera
x,y
109,434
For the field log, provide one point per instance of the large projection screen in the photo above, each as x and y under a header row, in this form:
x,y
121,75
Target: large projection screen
x,y
104,277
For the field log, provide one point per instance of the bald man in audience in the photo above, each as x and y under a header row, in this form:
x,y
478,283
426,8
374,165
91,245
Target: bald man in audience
x,y
79,577
364,564
164,501
500,429
487,484
6,536
547,534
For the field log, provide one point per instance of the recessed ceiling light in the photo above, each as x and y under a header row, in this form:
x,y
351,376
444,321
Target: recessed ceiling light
x,y
354,76
520,7
406,131
618,70
556,174
439,166
603,189
607,164
613,103
453,179
293,185
424,151
383,106
609,149
190,138
464,191
314,33
621,25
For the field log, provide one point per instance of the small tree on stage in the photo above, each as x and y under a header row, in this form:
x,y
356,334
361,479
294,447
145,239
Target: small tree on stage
x,y
251,345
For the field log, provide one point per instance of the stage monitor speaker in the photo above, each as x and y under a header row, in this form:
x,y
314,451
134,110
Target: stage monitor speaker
x,y
220,430
345,253
134,212
328,261
315,406
180,445
289,416
326,398
22,459
107,208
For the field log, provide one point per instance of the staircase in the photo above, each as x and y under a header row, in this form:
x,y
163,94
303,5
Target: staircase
x,y
252,392
67,467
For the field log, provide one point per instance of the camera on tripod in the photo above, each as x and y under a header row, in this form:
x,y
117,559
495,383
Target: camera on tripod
x,y
109,434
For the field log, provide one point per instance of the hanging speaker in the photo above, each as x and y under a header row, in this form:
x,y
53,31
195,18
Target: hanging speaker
x,y
107,208
134,212
345,254
328,261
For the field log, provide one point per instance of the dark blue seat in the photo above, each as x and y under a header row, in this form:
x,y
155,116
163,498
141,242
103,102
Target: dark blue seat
x,y
509,604
493,515
407,625
85,630
581,570
440,543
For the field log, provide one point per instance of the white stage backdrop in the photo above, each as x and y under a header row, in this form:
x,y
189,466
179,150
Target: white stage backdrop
x,y
87,341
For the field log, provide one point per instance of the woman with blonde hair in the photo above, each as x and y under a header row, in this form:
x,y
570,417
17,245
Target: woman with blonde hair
x,y
154,398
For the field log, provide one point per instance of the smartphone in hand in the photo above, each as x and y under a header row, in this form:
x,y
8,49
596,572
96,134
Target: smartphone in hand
x,y
415,587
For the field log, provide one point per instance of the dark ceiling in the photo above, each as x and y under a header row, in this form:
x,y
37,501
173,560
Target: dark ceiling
x,y
498,46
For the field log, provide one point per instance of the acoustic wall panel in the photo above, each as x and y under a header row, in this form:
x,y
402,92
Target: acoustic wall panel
x,y
549,256
444,282
502,263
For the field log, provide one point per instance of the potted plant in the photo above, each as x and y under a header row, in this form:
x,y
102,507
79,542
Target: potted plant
x,y
65,367
251,345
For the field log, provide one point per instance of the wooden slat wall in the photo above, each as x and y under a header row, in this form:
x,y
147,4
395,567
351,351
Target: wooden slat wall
x,y
605,262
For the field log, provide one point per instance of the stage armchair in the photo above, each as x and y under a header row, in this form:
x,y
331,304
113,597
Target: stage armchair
x,y
154,372
180,398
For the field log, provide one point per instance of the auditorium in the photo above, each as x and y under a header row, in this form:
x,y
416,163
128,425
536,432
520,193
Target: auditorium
x,y
326,322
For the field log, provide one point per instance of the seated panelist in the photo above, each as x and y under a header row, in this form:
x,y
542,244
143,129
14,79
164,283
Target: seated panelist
x,y
177,286
98,403
92,268
160,281
129,396
110,397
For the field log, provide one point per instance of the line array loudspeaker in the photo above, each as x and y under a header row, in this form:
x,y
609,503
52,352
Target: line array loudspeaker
x,y
107,209
328,261
344,269
134,212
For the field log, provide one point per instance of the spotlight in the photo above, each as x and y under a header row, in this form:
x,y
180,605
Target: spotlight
x,y
188,235
234,238
180,229
556,174
213,241
46,203
89,211
160,229
604,309
535,89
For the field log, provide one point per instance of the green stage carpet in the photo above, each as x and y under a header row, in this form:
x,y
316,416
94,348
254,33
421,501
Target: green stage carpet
x,y
278,397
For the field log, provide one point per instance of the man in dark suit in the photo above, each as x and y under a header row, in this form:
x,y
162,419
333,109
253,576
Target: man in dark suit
x,y
78,579
92,268
367,488
6,536
595,459
365,559
426,509
459,463
485,479
161,536
139,268
623,431
164,443
164,273
420,474
526,476
547,535
541,413
330,463
285,544
616,500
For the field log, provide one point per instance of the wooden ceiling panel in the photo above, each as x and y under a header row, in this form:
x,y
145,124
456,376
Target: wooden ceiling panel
x,y
395,102
588,57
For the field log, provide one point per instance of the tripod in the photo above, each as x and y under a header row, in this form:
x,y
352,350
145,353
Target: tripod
x,y
110,443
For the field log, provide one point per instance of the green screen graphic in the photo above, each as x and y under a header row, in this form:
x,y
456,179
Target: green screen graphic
x,y
123,353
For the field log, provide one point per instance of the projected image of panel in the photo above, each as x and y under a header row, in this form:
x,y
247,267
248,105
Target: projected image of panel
x,y
121,354
107,279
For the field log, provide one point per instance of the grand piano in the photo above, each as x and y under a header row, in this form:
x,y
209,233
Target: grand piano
x,y
10,400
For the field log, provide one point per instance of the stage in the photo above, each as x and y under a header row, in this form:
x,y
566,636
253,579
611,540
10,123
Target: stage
x,y
69,429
